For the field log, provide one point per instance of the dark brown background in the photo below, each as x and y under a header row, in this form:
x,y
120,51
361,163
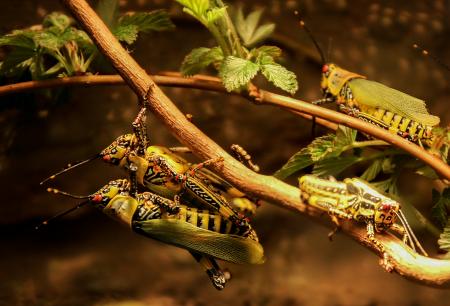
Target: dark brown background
x,y
87,259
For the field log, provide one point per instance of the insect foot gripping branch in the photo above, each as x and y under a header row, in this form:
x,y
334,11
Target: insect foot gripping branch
x,y
374,102
355,199
204,234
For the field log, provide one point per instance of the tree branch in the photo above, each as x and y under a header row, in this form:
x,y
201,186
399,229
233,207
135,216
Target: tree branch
x,y
325,117
407,263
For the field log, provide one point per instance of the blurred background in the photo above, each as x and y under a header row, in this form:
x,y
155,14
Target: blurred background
x,y
87,259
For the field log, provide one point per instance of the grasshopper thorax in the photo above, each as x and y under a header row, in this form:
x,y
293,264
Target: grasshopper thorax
x,y
334,78
119,149
371,205
101,198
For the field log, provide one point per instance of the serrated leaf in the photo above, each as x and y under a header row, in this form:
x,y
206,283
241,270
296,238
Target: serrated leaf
x,y
196,8
200,58
19,38
247,27
334,166
444,239
297,162
215,13
280,77
389,185
108,10
126,33
17,61
57,20
148,21
271,51
441,206
345,136
236,72
321,147
262,33
372,171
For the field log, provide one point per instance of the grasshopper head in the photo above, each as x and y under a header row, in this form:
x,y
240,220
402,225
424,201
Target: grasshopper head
x,y
372,205
102,197
120,148
327,69
385,214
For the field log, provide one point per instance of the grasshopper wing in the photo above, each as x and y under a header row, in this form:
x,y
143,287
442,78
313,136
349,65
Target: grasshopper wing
x,y
375,94
228,247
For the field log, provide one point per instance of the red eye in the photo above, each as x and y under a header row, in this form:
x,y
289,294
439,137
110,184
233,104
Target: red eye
x,y
97,198
106,158
324,68
386,207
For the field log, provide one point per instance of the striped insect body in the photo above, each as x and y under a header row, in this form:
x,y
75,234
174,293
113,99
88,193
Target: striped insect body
x,y
373,102
355,199
205,234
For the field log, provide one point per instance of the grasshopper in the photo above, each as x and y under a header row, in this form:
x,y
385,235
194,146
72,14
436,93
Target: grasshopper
x,y
204,234
355,199
167,174
373,102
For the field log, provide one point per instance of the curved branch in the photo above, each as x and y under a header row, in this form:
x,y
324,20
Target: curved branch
x,y
169,79
407,263
326,117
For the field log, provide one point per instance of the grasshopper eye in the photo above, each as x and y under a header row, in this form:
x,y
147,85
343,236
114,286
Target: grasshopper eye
x,y
97,198
325,68
386,207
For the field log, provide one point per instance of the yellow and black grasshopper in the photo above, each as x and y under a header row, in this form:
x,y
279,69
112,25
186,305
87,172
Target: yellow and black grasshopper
x,y
204,234
169,175
374,102
355,199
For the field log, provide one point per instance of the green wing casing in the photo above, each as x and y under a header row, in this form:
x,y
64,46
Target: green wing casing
x,y
227,247
375,94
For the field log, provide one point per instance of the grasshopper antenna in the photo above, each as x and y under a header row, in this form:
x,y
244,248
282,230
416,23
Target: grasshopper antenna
x,y
70,166
311,36
426,53
57,191
61,214
409,233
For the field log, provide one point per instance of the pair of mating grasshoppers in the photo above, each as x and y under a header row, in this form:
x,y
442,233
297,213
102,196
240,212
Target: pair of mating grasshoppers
x,y
355,199
373,102
209,227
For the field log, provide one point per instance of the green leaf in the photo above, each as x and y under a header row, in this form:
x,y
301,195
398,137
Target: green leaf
x,y
237,72
280,77
334,166
389,185
428,172
215,13
345,136
270,51
147,21
372,171
200,58
126,33
444,239
108,10
247,27
19,38
57,20
320,147
17,61
441,206
196,8
297,162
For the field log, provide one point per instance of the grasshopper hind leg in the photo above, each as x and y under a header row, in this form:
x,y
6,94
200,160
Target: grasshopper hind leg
x,y
216,275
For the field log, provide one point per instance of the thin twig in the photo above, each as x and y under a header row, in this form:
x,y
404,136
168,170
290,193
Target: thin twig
x,y
326,117
168,79
406,262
